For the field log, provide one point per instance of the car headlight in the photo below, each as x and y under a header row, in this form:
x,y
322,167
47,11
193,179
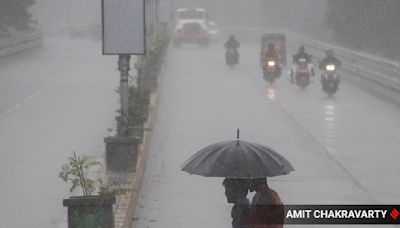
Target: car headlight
x,y
271,63
330,67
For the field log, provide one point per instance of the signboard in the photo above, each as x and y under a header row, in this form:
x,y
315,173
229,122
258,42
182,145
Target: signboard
x,y
164,11
123,27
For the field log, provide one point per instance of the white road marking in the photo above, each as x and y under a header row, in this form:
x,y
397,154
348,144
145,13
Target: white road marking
x,y
30,98
37,92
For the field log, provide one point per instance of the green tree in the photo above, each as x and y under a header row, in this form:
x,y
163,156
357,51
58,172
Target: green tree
x,y
15,14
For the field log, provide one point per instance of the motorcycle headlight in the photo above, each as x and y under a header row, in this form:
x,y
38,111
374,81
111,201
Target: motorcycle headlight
x,y
271,63
330,67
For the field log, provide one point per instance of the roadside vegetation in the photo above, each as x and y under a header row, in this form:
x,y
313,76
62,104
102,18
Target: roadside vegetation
x,y
146,83
15,16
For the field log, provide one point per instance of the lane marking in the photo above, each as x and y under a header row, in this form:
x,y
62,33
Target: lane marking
x,y
25,101
40,90
30,97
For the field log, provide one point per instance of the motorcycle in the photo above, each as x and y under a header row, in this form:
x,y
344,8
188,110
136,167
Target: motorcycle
x,y
330,79
271,70
302,74
232,57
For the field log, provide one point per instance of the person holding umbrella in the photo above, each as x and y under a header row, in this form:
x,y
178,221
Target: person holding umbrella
x,y
245,162
236,192
267,207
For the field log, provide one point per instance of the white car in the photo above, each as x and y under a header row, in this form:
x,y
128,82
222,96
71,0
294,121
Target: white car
x,y
191,26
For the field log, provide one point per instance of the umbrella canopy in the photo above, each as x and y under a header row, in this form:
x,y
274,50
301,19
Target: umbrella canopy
x,y
237,159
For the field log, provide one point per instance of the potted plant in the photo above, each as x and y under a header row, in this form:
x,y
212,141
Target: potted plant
x,y
95,207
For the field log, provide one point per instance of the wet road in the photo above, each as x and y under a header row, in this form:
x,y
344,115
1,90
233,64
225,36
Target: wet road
x,y
53,101
344,149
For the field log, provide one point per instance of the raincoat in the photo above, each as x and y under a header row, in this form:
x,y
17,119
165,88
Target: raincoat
x,y
232,43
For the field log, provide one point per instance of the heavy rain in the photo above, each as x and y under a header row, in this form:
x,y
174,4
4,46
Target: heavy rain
x,y
205,111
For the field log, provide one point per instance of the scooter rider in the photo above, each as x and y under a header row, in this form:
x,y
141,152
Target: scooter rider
x,y
330,59
231,48
271,54
301,54
232,43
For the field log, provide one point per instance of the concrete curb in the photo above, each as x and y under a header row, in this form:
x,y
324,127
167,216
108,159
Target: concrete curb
x,y
123,217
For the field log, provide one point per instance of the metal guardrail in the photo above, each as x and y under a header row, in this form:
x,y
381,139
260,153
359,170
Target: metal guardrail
x,y
21,42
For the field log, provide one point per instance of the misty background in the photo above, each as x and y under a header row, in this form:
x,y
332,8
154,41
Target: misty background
x,y
366,25
302,16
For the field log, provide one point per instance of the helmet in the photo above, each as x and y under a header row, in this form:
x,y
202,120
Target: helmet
x,y
302,49
329,53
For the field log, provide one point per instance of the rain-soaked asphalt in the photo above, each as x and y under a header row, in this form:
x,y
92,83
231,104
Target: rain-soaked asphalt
x,y
61,98
344,149
53,101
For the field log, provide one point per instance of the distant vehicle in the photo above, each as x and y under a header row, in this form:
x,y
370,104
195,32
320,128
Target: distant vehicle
x,y
214,32
271,70
272,66
330,79
279,41
302,73
231,57
191,26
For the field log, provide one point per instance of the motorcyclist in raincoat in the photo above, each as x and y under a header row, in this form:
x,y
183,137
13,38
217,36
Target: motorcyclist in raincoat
x,y
232,43
301,54
329,59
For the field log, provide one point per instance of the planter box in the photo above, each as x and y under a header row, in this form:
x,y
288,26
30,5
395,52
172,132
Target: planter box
x,y
121,154
90,212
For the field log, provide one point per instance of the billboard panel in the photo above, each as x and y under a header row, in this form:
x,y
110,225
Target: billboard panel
x,y
123,27
164,11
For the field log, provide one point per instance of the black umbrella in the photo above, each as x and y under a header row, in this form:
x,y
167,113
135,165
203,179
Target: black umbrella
x,y
237,159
